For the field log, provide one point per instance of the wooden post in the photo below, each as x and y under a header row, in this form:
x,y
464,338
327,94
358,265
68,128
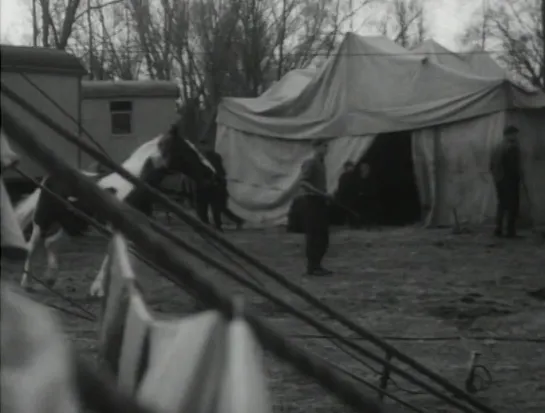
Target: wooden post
x,y
385,376
436,173
80,120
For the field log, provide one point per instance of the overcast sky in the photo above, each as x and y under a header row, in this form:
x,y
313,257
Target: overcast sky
x,y
446,19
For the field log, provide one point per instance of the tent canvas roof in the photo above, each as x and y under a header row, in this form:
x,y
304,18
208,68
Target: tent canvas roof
x,y
477,62
372,85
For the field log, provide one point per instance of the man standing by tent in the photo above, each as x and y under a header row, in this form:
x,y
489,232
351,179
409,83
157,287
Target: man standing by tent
x,y
315,200
506,169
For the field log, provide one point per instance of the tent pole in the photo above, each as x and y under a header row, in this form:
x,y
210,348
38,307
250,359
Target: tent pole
x,y
437,165
43,154
137,229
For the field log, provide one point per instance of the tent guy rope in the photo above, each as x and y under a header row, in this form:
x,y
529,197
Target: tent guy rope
x,y
264,293
139,231
45,157
332,335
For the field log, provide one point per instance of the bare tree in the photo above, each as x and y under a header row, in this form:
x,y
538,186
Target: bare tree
x,y
516,28
243,43
238,47
479,33
150,37
104,38
58,18
184,63
404,22
89,29
307,30
214,48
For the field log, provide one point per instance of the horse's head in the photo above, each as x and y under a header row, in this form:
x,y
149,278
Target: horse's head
x,y
180,155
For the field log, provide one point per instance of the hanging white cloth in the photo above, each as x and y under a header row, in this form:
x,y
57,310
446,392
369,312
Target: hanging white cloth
x,y
200,363
36,371
13,241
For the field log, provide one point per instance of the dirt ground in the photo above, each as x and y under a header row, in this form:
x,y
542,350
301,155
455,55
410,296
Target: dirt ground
x,y
428,292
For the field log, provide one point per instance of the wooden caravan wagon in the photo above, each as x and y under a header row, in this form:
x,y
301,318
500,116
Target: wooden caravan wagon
x,y
121,115
50,80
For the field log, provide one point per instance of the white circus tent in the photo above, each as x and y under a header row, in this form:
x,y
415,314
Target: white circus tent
x,y
452,107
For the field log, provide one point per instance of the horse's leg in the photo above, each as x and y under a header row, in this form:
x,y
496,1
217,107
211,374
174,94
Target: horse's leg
x,y
33,245
51,254
97,287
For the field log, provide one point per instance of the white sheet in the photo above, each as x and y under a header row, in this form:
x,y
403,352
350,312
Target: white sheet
x,y
199,363
36,374
263,172
13,241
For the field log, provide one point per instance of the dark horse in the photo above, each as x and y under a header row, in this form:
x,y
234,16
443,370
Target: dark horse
x,y
151,162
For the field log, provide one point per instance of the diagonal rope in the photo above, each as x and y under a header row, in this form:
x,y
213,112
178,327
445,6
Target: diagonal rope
x,y
305,317
513,339
89,316
39,152
96,143
65,112
374,387
72,313
127,221
378,373
214,244
103,230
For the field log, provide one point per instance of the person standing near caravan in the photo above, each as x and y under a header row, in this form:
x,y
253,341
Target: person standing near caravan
x,y
313,190
506,169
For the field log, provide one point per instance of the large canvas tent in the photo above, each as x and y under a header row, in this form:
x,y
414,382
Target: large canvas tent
x,y
452,108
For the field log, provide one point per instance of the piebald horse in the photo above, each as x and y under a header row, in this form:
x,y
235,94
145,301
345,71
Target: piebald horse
x,y
151,162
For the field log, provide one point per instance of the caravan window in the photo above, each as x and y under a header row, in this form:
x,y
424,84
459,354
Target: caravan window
x,y
121,117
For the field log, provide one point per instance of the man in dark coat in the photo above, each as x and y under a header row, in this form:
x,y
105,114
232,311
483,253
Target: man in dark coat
x,y
313,191
506,169
215,196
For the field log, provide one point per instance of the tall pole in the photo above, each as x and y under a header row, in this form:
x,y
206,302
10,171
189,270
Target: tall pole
x,y
484,28
351,5
34,25
90,33
543,45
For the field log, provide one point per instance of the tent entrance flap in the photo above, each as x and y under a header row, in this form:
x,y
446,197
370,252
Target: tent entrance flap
x,y
391,167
